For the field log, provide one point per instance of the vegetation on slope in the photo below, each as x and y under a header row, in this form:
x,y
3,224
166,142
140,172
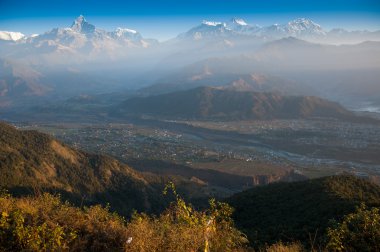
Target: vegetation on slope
x,y
44,223
299,211
30,160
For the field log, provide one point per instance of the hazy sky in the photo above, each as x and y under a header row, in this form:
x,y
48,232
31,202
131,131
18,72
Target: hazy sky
x,y
165,19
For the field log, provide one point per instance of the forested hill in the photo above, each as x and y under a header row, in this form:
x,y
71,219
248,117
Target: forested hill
x,y
293,211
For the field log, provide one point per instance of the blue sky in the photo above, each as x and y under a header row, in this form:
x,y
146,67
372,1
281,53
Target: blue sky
x,y
165,19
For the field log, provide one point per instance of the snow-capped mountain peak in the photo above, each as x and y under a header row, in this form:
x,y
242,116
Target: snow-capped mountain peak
x,y
240,26
207,29
304,26
11,36
120,31
124,33
303,23
212,23
238,21
82,26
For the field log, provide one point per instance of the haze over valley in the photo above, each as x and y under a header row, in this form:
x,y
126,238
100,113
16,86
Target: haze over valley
x,y
296,58
280,121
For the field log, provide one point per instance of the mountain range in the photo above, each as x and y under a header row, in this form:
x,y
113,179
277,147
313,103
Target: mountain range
x,y
82,41
302,28
83,59
78,34
289,66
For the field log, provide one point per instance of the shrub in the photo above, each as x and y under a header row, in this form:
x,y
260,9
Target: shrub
x,y
44,223
359,231
181,228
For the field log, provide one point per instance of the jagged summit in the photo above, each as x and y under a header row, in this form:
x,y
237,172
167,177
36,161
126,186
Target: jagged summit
x,y
207,29
304,26
305,22
235,27
125,33
240,26
81,25
238,21
120,30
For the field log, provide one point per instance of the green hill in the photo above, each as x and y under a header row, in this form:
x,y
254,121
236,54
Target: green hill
x,y
31,162
299,210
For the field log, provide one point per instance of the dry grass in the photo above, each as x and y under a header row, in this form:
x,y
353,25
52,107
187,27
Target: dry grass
x,y
64,152
281,247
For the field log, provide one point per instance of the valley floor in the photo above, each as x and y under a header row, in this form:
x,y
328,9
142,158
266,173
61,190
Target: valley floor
x,y
260,151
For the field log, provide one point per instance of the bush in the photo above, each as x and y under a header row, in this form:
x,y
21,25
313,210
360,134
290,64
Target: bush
x,y
181,228
359,231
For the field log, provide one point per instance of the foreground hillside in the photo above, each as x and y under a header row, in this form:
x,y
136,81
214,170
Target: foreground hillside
x,y
30,161
213,103
44,223
300,210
